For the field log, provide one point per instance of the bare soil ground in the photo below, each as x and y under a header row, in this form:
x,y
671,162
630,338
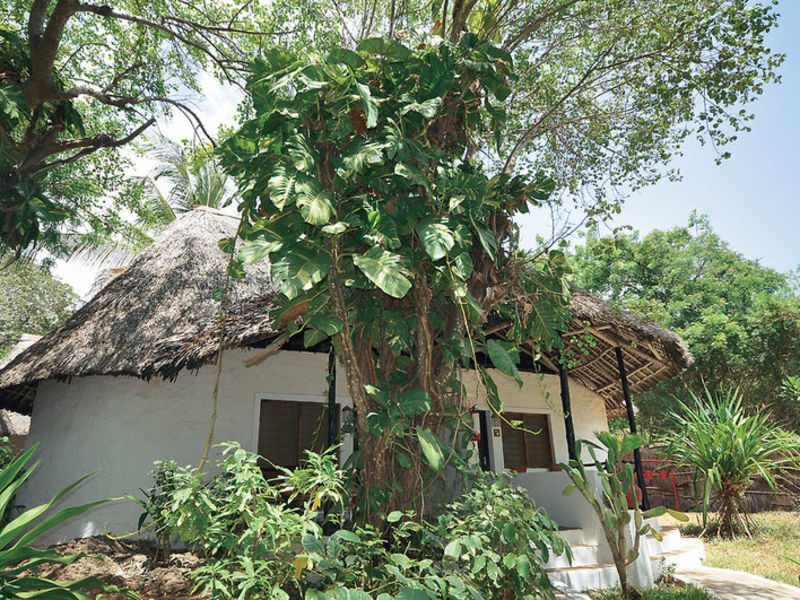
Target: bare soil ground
x,y
129,565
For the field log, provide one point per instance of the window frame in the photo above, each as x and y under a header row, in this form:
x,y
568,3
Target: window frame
x,y
298,401
519,416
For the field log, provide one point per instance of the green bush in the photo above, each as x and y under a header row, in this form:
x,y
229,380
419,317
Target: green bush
x,y
499,539
727,449
19,559
264,539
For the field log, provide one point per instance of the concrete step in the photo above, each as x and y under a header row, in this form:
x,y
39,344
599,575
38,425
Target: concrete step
x,y
689,554
573,536
586,577
582,554
670,540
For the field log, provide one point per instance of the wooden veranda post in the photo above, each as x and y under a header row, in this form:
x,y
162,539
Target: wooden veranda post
x,y
567,408
637,456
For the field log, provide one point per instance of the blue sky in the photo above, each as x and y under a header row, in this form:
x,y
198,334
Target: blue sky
x,y
752,198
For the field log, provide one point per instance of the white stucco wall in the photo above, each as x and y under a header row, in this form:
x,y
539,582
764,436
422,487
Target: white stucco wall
x,y
120,425
541,394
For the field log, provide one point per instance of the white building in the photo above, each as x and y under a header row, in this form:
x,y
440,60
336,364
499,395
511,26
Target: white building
x,y
128,380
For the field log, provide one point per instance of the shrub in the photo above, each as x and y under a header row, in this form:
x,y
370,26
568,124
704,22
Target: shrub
x,y
618,481
264,538
727,449
247,527
499,539
19,559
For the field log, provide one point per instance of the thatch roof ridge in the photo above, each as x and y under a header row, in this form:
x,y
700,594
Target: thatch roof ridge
x,y
167,291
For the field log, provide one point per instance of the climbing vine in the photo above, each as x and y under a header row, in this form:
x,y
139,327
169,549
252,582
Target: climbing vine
x,y
361,183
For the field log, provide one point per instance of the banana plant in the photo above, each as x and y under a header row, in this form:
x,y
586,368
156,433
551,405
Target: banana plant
x,y
19,559
617,479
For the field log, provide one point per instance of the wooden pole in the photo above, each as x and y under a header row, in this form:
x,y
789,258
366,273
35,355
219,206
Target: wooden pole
x,y
567,408
637,456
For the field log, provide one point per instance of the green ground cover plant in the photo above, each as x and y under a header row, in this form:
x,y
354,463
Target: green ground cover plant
x,y
264,538
661,591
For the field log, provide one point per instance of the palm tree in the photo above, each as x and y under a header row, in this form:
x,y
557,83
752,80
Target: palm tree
x,y
190,177
193,179
728,449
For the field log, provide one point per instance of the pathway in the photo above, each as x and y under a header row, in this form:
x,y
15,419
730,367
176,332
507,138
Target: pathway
x,y
737,585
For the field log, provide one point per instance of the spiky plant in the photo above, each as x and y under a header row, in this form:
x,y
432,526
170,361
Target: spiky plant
x,y
728,448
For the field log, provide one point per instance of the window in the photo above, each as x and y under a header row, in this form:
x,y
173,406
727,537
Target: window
x,y
528,449
287,429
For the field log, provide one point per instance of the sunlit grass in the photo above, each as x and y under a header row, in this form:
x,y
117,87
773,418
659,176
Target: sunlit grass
x,y
776,536
660,592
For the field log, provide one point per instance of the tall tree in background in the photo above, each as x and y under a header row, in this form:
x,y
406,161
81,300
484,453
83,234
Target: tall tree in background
x,y
80,80
607,89
33,302
740,319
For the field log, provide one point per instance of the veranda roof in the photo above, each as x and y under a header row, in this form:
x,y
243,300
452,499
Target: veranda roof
x,y
160,316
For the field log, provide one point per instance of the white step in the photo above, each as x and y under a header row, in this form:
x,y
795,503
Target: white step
x,y
582,554
586,577
690,553
574,537
670,540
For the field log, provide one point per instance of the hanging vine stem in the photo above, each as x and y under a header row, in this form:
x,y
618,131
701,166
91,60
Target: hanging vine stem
x,y
220,345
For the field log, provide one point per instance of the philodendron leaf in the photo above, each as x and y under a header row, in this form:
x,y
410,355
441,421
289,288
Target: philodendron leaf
x,y
315,204
385,270
281,187
500,354
299,269
436,238
431,449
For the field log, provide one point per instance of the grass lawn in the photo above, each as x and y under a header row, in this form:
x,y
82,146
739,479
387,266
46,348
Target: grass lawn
x,y
660,592
777,535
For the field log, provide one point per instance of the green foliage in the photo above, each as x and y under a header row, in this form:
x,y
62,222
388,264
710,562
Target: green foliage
x,y
264,539
499,540
727,448
102,75
384,235
663,591
246,526
740,320
18,557
34,302
611,506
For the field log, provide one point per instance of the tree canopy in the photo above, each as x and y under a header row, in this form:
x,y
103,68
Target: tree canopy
x,y
740,319
605,92
33,302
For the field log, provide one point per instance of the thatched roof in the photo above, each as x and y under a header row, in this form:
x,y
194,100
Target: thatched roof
x,y
159,317
651,354
130,326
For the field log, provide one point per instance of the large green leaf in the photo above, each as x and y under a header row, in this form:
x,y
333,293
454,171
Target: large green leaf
x,y
315,204
384,46
281,187
362,156
431,449
368,104
436,238
385,270
503,355
300,269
